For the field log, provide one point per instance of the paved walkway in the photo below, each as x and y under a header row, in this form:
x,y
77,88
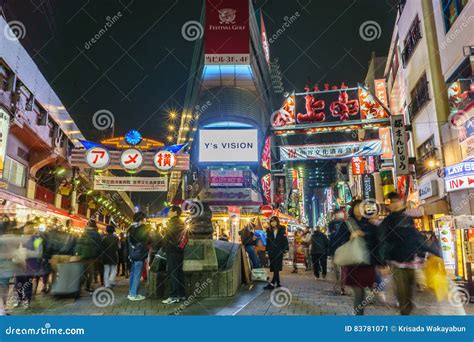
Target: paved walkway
x,y
302,295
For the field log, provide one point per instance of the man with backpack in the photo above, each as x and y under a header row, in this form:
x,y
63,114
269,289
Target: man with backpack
x,y
137,239
173,246
89,248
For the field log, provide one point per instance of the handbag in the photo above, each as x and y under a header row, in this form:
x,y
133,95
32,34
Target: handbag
x,y
353,252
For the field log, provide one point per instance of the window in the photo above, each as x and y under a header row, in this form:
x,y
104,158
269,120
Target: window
x,y
426,148
451,10
14,172
411,41
419,97
426,157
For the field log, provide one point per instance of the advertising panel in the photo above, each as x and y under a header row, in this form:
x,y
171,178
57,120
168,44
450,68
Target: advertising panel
x,y
111,183
358,164
226,178
228,145
226,33
400,147
4,125
331,151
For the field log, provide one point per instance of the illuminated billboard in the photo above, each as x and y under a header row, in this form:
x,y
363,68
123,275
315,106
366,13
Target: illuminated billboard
x,y
239,145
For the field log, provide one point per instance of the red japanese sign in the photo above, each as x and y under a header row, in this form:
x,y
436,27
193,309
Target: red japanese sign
x,y
266,188
386,138
226,34
164,160
266,158
131,159
381,91
97,157
358,166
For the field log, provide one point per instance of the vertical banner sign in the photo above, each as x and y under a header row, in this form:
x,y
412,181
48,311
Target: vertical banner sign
x,y
279,191
266,188
226,34
381,91
399,145
358,166
385,137
266,154
4,125
265,44
368,186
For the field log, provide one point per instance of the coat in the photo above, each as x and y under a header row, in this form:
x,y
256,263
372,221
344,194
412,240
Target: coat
x,y
401,241
319,243
89,245
276,248
110,246
338,235
173,235
137,239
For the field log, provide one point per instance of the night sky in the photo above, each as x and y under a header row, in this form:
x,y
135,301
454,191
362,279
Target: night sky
x,y
138,68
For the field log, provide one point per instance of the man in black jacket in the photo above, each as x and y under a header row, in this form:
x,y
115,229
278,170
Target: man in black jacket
x,y
338,235
174,256
400,243
319,252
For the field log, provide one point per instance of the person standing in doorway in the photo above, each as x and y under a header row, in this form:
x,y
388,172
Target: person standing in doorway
x,y
174,256
277,246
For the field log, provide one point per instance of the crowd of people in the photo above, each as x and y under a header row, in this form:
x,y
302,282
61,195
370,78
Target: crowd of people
x,y
362,249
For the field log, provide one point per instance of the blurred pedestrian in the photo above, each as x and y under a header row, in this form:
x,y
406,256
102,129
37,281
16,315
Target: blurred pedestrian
x,y
277,246
307,248
338,234
137,241
361,276
174,256
110,244
33,244
89,249
297,249
319,253
122,267
249,241
401,242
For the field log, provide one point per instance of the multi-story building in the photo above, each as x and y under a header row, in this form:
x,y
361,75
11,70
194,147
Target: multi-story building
x,y
36,136
454,29
226,114
416,89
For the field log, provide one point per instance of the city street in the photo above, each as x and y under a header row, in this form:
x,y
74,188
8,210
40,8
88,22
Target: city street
x,y
308,297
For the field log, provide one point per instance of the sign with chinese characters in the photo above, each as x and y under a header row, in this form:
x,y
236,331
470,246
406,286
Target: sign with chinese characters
x,y
131,159
428,189
226,178
97,157
4,127
266,188
230,145
381,91
226,33
400,147
266,154
368,186
385,136
164,160
228,194
112,183
331,151
329,199
358,166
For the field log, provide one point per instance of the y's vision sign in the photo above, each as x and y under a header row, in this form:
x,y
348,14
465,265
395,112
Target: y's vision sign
x,y
228,145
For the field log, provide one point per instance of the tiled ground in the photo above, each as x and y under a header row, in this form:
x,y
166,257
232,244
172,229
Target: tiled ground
x,y
308,297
